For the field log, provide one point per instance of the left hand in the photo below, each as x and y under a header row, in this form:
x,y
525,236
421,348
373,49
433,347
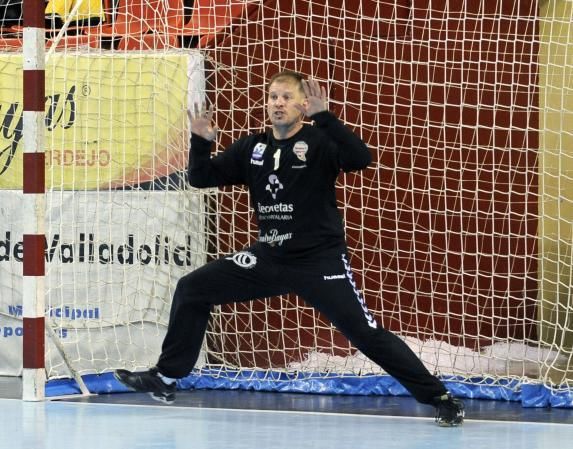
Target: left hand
x,y
315,98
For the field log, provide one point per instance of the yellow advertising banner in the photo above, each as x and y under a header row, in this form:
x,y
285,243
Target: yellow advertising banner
x,y
111,120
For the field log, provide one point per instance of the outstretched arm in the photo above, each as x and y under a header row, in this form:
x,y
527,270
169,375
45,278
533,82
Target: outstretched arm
x,y
204,171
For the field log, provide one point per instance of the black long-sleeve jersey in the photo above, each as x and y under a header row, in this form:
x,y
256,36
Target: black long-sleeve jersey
x,y
291,182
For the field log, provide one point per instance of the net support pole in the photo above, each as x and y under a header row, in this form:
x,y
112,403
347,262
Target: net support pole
x,y
33,202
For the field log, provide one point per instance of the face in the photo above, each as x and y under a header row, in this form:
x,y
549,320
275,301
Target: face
x,y
283,95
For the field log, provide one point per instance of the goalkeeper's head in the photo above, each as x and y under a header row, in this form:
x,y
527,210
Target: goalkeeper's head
x,y
285,91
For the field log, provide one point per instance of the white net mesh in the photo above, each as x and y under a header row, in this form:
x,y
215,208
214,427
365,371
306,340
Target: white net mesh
x,y
459,233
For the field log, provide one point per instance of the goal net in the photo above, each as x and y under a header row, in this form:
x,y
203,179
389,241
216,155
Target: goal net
x,y
459,232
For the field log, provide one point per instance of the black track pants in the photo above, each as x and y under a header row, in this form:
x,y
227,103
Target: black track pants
x,y
326,283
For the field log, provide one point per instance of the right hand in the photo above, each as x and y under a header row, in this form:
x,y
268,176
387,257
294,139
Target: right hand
x,y
201,120
315,98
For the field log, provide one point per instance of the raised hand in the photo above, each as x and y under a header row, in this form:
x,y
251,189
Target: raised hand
x,y
315,98
201,120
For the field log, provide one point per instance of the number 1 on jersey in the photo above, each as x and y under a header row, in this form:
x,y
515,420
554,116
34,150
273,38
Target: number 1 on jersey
x,y
277,158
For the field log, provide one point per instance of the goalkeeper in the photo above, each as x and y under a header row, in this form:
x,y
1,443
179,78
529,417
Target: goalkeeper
x,y
290,171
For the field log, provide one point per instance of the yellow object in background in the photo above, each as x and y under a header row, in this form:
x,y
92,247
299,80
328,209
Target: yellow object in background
x,y
88,9
555,244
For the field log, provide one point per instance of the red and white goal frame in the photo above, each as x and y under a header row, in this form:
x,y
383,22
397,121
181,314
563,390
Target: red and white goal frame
x,y
460,231
33,204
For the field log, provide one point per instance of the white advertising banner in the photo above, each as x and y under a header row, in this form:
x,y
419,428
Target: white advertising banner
x,y
112,262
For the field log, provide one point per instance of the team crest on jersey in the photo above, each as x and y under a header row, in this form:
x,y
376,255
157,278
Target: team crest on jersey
x,y
274,185
299,149
258,153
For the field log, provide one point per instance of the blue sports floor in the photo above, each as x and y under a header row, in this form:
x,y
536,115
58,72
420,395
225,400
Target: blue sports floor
x,y
243,419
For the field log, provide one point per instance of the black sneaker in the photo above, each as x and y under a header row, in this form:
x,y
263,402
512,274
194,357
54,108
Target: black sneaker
x,y
149,382
449,411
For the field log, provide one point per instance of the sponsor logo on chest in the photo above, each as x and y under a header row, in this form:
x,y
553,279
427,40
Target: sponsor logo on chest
x,y
258,153
300,149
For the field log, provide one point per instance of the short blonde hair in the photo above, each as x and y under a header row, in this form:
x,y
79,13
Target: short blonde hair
x,y
287,75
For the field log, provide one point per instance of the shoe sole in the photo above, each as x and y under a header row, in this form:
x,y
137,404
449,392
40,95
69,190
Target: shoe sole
x,y
161,399
450,424
120,380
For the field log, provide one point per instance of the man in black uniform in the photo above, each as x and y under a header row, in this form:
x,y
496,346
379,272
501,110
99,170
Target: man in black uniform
x,y
291,172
